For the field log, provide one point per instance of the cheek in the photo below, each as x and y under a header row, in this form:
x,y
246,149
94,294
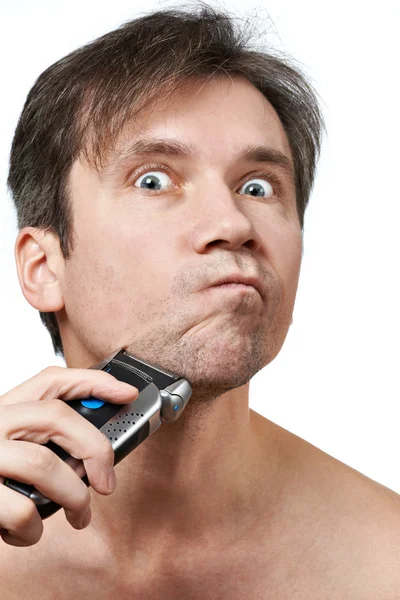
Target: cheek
x,y
97,272
141,248
286,255
114,268
293,270
91,289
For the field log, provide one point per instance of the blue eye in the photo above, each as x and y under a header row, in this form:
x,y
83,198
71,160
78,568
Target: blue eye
x,y
150,181
255,187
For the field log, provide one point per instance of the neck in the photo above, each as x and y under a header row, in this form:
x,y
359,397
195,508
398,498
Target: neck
x,y
192,479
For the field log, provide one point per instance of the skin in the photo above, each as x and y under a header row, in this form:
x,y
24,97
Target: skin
x,y
135,280
223,500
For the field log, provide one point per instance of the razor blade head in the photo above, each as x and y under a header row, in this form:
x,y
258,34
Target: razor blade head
x,y
174,399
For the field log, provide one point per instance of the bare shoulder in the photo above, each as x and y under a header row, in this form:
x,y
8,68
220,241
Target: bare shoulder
x,y
350,522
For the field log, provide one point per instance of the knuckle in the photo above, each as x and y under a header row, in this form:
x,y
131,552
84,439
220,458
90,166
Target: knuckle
x,y
41,459
51,375
59,409
51,370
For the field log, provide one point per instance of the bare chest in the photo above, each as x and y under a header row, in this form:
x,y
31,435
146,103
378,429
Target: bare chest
x,y
300,556
306,570
242,580
229,574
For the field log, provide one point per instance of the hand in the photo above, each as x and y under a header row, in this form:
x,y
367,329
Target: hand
x,y
32,414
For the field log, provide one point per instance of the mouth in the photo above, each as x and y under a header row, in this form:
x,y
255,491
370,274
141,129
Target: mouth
x,y
239,282
234,287
233,290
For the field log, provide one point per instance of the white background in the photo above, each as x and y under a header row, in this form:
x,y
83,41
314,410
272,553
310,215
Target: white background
x,y
336,381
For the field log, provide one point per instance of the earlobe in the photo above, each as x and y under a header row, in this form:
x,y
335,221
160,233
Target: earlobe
x,y
38,262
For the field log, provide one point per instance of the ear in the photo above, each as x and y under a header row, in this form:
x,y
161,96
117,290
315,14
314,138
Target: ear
x,y
40,265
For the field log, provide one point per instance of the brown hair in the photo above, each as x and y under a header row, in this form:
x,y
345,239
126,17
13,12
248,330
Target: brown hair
x,y
79,105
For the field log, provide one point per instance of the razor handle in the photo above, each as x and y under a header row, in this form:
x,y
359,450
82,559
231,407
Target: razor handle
x,y
162,397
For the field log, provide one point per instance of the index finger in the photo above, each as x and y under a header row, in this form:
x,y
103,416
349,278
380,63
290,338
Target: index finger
x,y
69,383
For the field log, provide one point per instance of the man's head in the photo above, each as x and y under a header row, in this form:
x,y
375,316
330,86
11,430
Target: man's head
x,y
121,257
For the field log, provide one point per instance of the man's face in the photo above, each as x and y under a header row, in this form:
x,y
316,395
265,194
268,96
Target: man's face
x,y
148,244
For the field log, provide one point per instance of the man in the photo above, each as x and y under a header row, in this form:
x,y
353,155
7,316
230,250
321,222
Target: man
x,y
146,167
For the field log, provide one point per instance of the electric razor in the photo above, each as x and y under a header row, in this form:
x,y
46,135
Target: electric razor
x,y
162,398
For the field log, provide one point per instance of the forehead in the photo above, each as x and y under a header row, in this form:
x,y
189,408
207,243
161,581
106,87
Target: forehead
x,y
214,118
215,124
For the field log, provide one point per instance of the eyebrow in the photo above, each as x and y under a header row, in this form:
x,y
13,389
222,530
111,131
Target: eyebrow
x,y
146,147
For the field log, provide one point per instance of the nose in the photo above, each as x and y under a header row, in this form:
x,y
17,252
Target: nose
x,y
220,218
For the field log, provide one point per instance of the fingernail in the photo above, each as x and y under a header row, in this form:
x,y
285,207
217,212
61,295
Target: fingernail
x,y
112,480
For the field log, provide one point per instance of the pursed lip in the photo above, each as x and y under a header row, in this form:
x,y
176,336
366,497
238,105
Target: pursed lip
x,y
238,278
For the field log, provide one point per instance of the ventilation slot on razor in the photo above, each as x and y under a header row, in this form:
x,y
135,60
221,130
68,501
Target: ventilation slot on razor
x,y
122,422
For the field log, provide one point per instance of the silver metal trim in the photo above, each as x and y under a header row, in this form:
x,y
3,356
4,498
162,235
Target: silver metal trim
x,y
147,403
180,388
176,394
154,422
